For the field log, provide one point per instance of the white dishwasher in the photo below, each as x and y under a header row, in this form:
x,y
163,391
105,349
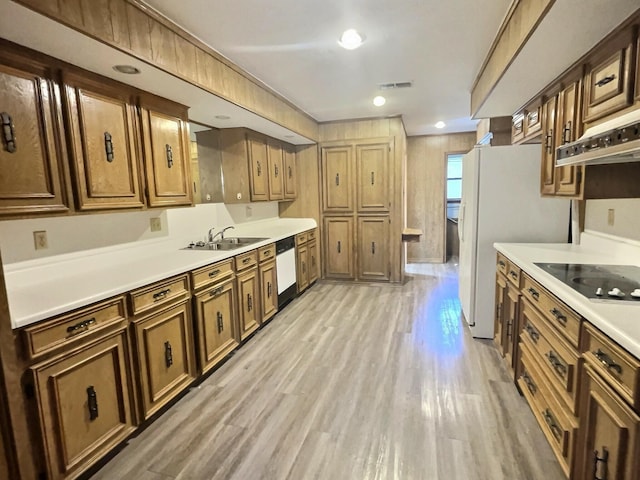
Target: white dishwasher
x,y
286,270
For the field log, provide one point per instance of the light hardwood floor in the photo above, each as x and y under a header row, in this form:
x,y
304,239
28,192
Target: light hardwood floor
x,y
351,382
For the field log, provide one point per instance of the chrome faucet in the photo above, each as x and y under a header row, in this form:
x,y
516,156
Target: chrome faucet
x,y
220,233
211,236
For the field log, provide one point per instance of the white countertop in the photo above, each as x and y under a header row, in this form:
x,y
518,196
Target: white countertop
x,y
620,321
40,289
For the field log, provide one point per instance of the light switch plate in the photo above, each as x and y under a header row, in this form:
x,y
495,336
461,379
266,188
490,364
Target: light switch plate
x,y
40,240
155,224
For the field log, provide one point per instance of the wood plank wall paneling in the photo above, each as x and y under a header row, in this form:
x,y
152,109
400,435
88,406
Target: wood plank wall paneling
x,y
138,31
520,22
354,129
426,190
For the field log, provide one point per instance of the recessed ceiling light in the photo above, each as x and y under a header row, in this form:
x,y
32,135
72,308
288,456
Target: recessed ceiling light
x,y
223,117
440,124
127,69
351,39
379,101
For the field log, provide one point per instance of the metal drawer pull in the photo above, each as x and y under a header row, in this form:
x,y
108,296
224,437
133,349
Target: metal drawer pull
x,y
8,133
557,364
169,155
216,291
502,264
533,333
269,289
513,274
600,462
83,325
290,172
548,142
213,273
608,79
267,253
607,361
161,294
220,322
108,146
249,302
551,421
534,293
373,248
92,402
246,260
337,179
372,178
530,385
276,171
559,316
168,354
259,168
566,133
338,246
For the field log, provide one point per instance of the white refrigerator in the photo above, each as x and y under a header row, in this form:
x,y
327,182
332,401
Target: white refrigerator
x,y
500,202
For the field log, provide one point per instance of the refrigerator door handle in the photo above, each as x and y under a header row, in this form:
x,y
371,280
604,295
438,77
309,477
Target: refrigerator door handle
x,y
461,222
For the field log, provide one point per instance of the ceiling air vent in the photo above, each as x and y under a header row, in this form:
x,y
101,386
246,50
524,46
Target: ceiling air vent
x,y
389,86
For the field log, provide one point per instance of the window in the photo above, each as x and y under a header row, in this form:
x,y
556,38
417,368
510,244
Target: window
x,y
454,184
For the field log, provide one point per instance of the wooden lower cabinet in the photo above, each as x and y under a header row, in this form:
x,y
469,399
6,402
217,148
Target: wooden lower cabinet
x,y
312,261
500,312
373,248
269,290
338,248
511,327
84,403
609,446
216,323
302,270
248,302
165,355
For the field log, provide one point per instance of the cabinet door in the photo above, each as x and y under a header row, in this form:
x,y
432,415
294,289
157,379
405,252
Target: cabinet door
x,y
216,324
167,157
258,168
501,313
532,119
373,177
30,180
164,345
269,290
609,442
276,177
336,174
302,270
373,248
338,245
568,130
85,406
510,333
103,145
312,261
290,173
248,302
517,127
547,171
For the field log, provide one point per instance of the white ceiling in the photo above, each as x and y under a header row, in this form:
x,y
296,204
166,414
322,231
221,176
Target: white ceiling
x,y
291,45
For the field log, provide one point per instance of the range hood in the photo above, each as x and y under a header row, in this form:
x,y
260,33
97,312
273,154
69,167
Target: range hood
x,y
614,141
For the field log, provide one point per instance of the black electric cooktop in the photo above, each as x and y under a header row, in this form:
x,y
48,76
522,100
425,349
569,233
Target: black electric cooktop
x,y
616,283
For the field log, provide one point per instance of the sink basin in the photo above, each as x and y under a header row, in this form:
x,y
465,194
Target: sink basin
x,y
241,240
214,246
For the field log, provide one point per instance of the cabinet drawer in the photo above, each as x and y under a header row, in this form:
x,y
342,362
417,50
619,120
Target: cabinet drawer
x,y
301,238
513,274
61,331
268,252
246,260
158,294
211,274
620,369
563,319
502,264
532,121
311,235
555,357
559,427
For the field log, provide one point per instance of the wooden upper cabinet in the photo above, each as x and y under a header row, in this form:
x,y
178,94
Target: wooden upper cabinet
x,y
338,247
258,168
532,120
373,248
102,132
29,154
517,127
337,193
276,176
372,163
547,171
166,153
290,173
568,129
608,78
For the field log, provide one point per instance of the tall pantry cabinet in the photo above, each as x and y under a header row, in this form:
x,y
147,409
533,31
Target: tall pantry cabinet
x,y
356,200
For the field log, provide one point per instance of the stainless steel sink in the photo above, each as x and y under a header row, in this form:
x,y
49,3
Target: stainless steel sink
x,y
241,240
230,243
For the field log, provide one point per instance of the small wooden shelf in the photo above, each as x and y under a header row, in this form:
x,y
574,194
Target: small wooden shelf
x,y
411,234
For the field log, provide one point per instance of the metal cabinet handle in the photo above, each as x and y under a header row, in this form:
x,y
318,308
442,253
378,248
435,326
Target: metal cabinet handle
x,y
249,302
313,261
168,354
372,178
108,146
533,333
373,248
530,384
551,421
548,142
608,79
566,133
607,361
259,168
560,317
216,291
161,294
510,327
557,364
338,246
169,151
220,321
600,461
246,260
337,179
92,402
268,289
8,133
304,268
290,171
213,273
276,171
81,326
502,264
267,253
513,274
498,311
534,293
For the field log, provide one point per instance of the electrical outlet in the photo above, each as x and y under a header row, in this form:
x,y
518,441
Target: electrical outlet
x,y
40,240
155,224
611,217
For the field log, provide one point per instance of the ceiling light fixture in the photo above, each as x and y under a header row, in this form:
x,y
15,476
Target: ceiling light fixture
x,y
351,39
440,124
127,69
223,117
379,101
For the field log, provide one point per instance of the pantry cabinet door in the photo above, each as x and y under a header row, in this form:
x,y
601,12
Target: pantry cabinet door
x,y
373,248
338,245
337,193
373,177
